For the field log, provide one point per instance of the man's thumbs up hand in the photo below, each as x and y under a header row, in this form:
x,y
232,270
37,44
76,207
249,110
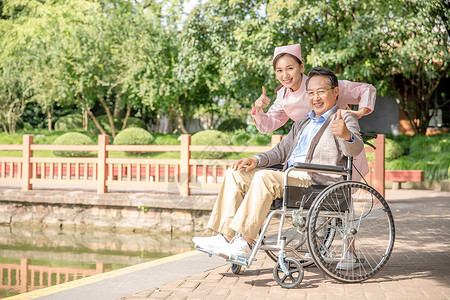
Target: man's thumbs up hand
x,y
338,127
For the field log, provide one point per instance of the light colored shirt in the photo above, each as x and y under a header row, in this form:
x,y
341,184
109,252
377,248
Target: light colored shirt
x,y
308,133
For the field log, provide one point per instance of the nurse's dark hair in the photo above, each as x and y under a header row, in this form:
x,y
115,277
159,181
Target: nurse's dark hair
x,y
332,79
283,54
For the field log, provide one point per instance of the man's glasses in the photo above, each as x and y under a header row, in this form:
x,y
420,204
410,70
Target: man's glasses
x,y
319,93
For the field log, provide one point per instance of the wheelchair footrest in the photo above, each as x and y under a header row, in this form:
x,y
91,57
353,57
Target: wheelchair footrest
x,y
239,261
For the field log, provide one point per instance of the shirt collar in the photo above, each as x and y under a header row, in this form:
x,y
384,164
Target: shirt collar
x,y
312,114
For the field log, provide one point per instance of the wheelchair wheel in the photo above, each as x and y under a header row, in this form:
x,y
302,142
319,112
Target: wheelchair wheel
x,y
295,240
237,269
293,279
365,231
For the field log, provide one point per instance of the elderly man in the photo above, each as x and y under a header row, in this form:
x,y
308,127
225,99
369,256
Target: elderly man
x,y
324,136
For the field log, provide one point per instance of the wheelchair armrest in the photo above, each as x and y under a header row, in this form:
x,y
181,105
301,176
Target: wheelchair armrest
x,y
320,168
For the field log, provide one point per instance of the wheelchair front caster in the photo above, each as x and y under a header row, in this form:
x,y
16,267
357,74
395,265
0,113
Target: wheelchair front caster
x,y
295,273
237,269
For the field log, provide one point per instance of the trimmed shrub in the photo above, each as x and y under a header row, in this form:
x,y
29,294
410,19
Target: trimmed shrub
x,y
259,140
133,136
133,122
166,139
230,125
240,138
209,138
73,138
393,150
69,122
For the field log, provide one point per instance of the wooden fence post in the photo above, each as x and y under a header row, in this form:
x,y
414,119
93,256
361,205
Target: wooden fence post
x,y
23,275
103,140
276,138
379,164
99,267
185,155
27,140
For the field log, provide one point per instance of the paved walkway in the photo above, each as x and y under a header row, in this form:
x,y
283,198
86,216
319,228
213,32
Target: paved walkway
x,y
419,267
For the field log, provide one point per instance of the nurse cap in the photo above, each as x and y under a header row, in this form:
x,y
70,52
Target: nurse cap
x,y
294,50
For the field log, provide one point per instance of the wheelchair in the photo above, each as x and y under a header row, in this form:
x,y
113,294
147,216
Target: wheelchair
x,y
345,229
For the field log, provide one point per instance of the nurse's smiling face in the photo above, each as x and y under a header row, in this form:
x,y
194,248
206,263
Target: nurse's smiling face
x,y
321,95
289,72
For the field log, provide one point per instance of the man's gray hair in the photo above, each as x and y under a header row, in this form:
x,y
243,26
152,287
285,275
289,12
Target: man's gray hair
x,y
323,72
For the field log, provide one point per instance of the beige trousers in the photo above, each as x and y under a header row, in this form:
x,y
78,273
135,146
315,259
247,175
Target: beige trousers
x,y
244,199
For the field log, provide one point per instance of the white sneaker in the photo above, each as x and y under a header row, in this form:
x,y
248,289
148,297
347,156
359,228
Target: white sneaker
x,y
348,265
238,247
210,243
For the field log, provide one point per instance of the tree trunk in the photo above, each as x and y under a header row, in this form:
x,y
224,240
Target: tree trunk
x,y
85,118
110,117
180,120
180,117
127,115
96,122
49,120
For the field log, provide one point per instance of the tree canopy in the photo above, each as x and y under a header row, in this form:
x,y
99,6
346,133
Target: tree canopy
x,y
123,58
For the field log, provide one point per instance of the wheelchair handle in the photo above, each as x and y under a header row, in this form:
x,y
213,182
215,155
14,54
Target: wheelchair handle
x,y
369,136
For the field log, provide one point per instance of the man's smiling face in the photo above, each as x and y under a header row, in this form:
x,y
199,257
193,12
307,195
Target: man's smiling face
x,y
321,95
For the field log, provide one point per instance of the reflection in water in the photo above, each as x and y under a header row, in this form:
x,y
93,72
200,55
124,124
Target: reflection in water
x,y
31,258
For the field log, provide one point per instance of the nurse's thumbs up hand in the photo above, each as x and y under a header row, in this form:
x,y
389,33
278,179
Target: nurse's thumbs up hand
x,y
338,127
263,101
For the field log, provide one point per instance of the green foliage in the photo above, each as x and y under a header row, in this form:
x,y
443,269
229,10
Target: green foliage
x,y
230,125
259,140
166,139
392,150
69,122
130,55
133,122
133,136
428,153
240,138
209,138
10,139
73,138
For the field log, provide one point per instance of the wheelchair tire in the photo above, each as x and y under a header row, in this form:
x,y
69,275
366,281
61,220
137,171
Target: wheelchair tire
x,y
237,269
293,279
365,231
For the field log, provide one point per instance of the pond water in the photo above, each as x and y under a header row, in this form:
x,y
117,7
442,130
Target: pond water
x,y
32,258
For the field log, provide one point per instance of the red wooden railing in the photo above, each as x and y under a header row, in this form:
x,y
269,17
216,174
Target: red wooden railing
x,y
104,171
24,277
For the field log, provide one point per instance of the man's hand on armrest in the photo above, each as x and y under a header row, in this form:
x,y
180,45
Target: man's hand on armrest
x,y
249,163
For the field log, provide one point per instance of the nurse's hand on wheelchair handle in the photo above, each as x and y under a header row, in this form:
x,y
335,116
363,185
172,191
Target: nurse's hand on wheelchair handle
x,y
249,163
